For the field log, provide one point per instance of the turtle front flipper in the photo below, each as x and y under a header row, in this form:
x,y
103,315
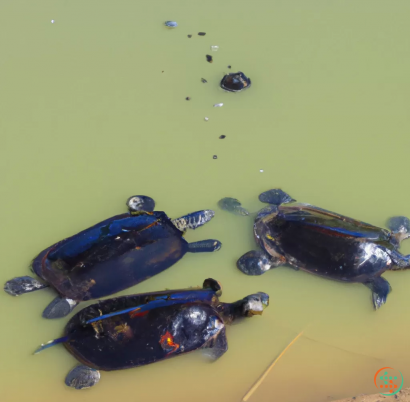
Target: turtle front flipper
x,y
275,197
193,220
256,262
81,377
400,228
204,246
217,347
59,307
140,203
23,284
232,205
380,289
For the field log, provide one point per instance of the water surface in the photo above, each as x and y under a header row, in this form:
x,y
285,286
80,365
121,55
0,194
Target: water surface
x,y
93,110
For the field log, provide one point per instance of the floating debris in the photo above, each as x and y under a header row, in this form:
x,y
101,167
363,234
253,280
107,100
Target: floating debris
x,y
215,157
214,48
209,58
171,24
188,98
218,104
235,82
204,80
201,33
189,36
222,137
206,118
261,170
52,21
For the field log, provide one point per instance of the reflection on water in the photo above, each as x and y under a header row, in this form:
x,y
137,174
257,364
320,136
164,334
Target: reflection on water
x,y
94,110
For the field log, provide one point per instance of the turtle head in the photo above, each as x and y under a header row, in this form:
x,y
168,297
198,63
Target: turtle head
x,y
255,304
140,203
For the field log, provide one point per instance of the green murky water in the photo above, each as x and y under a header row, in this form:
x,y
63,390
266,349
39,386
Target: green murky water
x,y
93,110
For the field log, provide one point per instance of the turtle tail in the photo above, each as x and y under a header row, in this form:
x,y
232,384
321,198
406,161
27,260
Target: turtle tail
x,y
51,343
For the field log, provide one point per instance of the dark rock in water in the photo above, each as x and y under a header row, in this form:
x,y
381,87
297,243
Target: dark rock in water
x,y
209,58
222,137
201,33
215,157
189,36
188,98
204,80
229,66
235,82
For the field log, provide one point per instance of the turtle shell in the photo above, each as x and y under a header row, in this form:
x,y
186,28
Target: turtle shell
x,y
126,341
324,243
111,256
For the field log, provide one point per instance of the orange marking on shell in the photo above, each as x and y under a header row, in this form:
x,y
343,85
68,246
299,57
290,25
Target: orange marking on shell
x,y
168,340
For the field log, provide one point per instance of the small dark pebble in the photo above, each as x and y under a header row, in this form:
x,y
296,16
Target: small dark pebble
x,y
189,36
396,397
229,66
204,80
188,98
209,58
222,137
215,157
201,33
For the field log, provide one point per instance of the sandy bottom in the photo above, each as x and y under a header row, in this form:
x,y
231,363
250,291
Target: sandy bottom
x,y
403,395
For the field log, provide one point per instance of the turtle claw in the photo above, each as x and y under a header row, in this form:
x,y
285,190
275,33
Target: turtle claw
x,y
276,197
23,284
59,308
82,377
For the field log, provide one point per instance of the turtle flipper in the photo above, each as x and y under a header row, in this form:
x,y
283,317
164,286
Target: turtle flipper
x,y
23,284
204,246
193,220
59,307
256,262
232,205
275,197
81,377
138,203
217,347
400,227
380,289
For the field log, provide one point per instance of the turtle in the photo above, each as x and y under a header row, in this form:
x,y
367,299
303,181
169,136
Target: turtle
x,y
323,243
136,330
235,82
112,255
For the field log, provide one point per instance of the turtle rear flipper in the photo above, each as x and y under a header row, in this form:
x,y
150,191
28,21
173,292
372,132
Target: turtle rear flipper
x,y
204,246
81,377
23,284
59,307
380,289
193,220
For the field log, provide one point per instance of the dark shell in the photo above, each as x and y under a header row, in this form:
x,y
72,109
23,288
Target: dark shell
x,y
111,256
124,341
324,243
235,82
